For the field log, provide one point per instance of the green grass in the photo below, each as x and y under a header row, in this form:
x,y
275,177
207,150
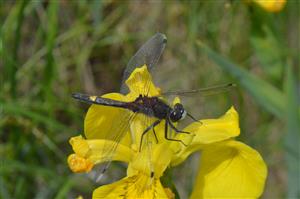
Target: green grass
x,y
50,49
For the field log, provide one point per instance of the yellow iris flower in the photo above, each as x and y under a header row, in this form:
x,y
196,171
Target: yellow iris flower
x,y
271,5
228,168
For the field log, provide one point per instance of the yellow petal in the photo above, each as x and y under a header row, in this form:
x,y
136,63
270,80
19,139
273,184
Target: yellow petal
x,y
140,82
152,161
80,145
79,164
104,122
176,100
98,151
138,186
209,131
230,170
106,150
271,5
215,130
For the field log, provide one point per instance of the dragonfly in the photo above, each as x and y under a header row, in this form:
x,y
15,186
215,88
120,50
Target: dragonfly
x,y
149,106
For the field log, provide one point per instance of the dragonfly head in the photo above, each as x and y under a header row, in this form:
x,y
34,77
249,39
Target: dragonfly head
x,y
178,113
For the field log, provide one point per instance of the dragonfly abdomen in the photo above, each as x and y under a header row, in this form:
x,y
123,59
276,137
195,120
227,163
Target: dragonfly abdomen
x,y
99,100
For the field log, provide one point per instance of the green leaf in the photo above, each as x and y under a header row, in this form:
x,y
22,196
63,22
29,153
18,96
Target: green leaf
x,y
269,97
292,138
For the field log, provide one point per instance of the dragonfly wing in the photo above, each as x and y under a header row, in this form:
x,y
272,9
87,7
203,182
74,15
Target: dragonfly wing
x,y
109,120
115,134
118,131
148,54
202,91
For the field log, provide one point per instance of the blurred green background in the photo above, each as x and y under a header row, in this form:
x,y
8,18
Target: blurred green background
x,y
50,49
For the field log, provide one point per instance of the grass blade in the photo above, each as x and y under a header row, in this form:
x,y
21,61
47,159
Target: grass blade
x,y
50,44
13,60
292,138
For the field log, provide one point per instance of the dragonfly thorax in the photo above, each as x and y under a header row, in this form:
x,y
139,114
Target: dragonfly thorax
x,y
150,106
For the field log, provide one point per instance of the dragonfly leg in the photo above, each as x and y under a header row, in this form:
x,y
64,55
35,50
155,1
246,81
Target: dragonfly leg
x,y
147,129
155,135
192,117
175,129
166,134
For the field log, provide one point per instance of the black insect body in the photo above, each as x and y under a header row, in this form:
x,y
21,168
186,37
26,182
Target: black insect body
x,y
149,106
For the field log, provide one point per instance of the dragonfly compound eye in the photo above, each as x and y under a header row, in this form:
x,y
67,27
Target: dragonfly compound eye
x,y
178,113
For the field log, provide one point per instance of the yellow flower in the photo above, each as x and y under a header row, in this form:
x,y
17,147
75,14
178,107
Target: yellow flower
x,y
231,170
228,168
271,5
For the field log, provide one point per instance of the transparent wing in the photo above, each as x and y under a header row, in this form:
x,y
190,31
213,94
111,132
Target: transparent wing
x,y
118,131
195,101
113,132
148,54
202,91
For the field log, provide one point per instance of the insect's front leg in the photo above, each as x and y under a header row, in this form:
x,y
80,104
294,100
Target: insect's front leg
x,y
146,130
175,129
166,133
